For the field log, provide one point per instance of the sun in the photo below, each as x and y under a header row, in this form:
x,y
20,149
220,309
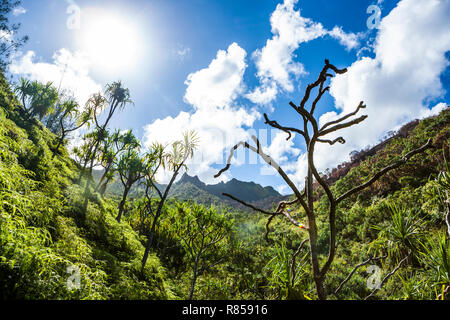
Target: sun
x,y
111,42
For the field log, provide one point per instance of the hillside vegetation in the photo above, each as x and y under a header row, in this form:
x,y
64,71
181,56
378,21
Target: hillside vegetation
x,y
55,244
43,240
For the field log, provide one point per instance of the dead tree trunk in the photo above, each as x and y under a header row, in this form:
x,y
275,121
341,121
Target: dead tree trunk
x,y
305,199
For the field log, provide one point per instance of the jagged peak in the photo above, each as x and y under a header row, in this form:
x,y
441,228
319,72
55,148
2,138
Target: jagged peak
x,y
187,178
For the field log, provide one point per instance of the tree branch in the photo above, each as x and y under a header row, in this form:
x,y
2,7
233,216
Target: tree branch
x,y
319,96
270,162
266,236
249,205
294,257
287,215
307,115
320,80
383,171
386,278
331,142
283,204
360,106
285,129
354,270
342,126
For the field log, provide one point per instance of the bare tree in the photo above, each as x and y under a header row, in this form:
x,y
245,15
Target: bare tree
x,y
305,199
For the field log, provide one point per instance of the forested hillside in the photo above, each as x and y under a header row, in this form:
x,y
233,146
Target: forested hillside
x,y
188,188
55,244
44,236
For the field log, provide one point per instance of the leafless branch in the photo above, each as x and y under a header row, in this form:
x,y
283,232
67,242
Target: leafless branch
x,y
294,257
270,162
287,215
383,171
269,221
331,142
285,129
319,95
354,270
360,106
230,156
386,278
322,78
292,220
248,205
283,204
337,127
306,116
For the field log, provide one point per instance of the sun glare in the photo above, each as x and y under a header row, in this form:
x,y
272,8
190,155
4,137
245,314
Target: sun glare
x,y
111,42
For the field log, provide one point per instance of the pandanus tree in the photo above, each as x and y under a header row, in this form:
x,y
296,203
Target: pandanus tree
x,y
37,99
314,135
111,147
155,159
81,152
130,168
71,119
23,90
174,161
116,97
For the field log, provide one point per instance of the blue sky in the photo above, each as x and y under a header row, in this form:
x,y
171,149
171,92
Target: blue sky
x,y
199,64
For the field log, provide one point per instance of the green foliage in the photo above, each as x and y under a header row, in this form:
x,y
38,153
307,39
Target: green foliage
x,y
403,232
436,255
287,279
38,98
9,44
43,241
47,233
201,232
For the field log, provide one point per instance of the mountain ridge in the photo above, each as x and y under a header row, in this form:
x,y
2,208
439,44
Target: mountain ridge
x,y
192,188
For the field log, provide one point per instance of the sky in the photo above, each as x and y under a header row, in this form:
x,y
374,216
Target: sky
x,y
217,66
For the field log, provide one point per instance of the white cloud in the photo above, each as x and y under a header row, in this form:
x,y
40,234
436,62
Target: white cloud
x,y
218,122
283,190
397,85
425,112
274,61
17,11
263,94
219,84
68,69
280,149
348,40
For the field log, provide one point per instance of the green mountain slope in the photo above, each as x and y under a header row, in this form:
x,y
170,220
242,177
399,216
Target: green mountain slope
x,y
46,240
47,246
192,188
189,187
